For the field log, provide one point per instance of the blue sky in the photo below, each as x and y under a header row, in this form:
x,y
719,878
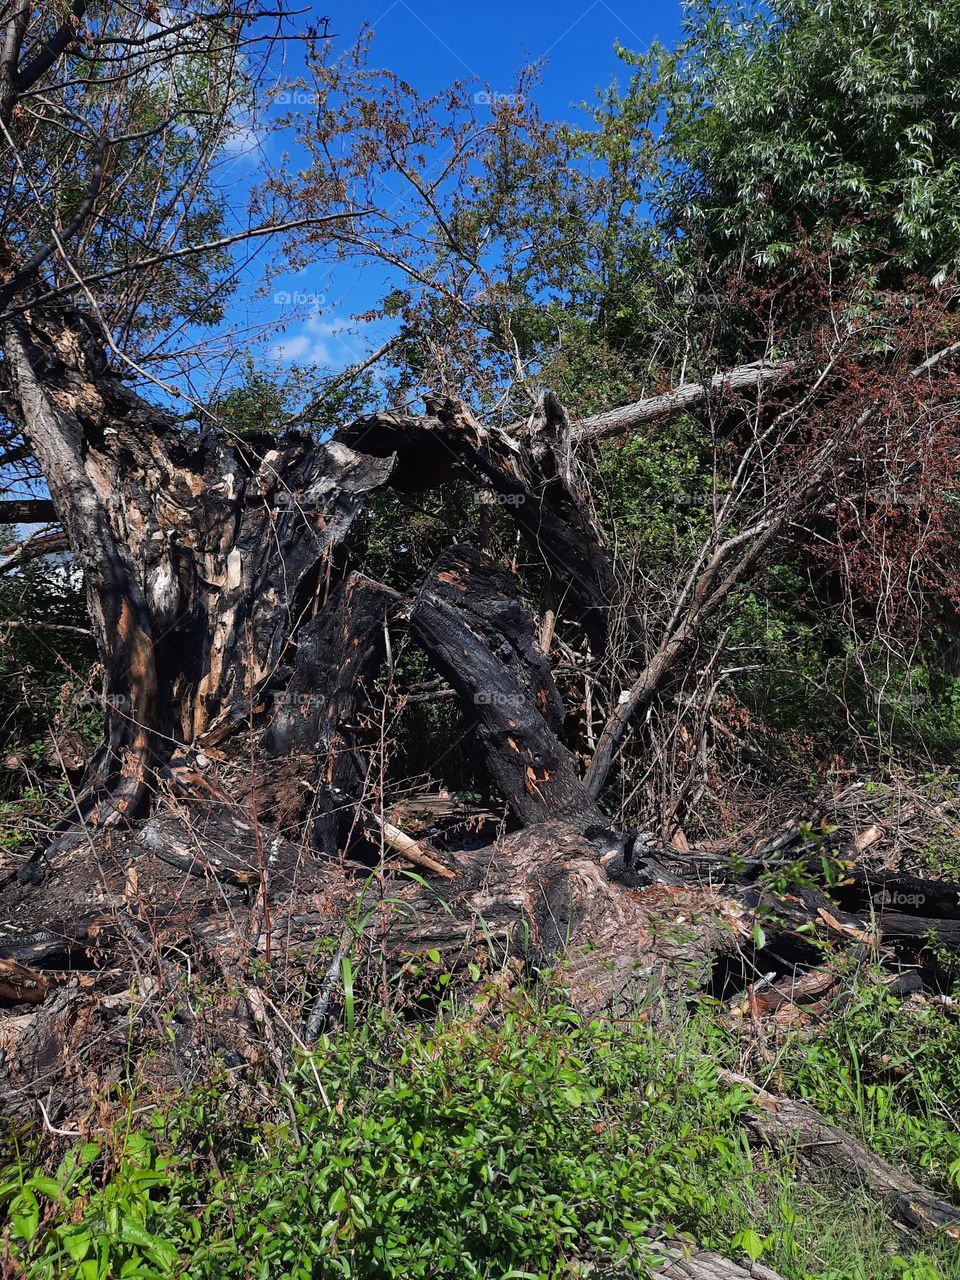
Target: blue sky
x,y
431,43
307,318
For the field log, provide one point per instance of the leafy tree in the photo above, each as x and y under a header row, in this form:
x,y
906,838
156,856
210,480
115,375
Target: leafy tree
x,y
832,125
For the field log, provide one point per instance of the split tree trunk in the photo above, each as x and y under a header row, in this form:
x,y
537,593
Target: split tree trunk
x,y
530,471
201,558
468,619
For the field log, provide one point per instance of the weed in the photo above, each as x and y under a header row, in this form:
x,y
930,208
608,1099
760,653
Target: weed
x,y
534,1146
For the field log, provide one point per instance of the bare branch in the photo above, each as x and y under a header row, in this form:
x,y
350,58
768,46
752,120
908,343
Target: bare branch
x,y
188,251
683,399
45,544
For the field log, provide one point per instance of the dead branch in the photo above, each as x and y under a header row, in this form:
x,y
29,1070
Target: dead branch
x,y
687,398
782,1122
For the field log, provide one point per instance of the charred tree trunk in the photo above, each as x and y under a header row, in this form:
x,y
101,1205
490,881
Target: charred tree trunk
x,y
468,619
531,472
312,731
200,557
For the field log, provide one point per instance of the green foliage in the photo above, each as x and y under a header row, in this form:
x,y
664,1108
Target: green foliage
x,y
833,123
272,399
659,490
525,1148
886,1068
807,679
37,666
405,532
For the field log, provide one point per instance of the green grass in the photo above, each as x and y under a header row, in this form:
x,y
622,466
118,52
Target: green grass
x,y
540,1146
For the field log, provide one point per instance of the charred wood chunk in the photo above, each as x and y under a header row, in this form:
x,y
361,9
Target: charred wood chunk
x,y
530,473
467,618
900,894
635,859
335,653
315,718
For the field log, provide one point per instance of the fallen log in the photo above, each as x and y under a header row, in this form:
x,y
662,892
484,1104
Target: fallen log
x,y
782,1122
679,1261
808,904
896,927
898,894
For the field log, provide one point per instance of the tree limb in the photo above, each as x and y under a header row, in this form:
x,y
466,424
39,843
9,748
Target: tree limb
x,y
27,511
781,1121
52,48
32,549
683,399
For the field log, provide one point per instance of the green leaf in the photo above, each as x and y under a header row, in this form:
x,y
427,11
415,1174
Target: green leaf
x,y
749,1242
77,1244
46,1186
338,1201
133,1233
25,1215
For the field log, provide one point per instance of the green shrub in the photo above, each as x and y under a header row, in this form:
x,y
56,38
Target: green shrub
x,y
531,1148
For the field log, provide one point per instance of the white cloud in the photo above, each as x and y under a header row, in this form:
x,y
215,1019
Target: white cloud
x,y
242,136
328,343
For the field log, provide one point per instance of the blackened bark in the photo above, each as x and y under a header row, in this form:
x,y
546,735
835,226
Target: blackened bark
x,y
887,892
531,473
314,728
468,619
